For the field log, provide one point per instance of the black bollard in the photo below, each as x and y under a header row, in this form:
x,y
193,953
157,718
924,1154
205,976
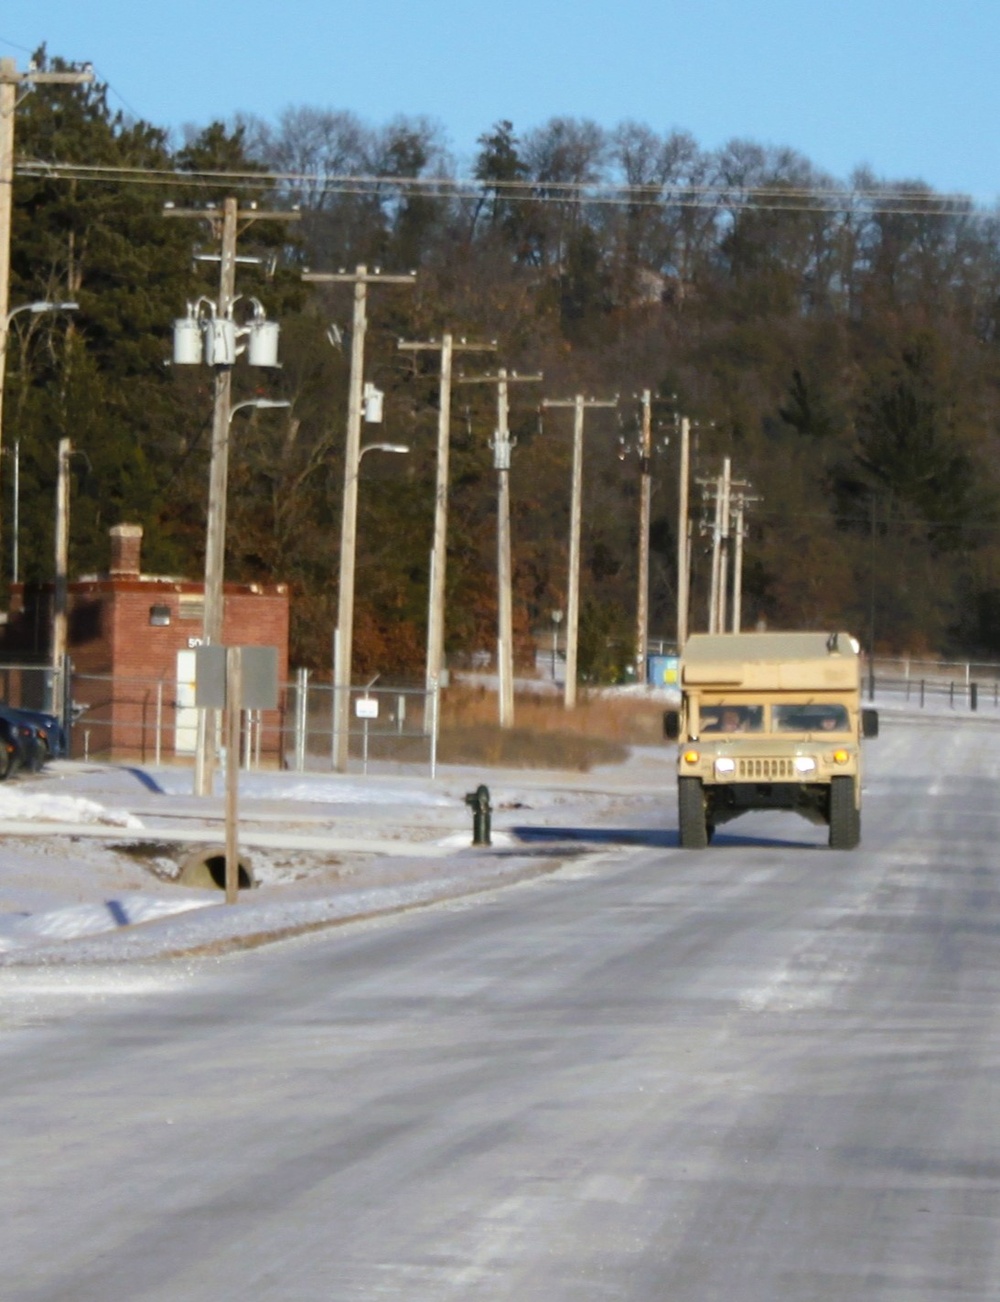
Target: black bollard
x,y
479,802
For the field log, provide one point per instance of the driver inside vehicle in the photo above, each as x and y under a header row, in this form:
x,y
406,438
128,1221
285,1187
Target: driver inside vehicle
x,y
731,718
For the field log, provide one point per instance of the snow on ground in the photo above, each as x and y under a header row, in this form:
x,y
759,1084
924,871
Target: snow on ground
x,y
324,848
78,892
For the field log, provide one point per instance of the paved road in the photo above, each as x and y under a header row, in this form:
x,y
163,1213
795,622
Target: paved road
x,y
763,1072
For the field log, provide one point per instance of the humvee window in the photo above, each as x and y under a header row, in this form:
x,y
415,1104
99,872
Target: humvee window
x,y
810,718
732,718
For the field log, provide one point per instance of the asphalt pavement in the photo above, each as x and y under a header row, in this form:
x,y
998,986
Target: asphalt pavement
x,y
765,1071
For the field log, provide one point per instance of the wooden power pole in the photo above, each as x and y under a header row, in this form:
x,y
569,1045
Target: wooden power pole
x,y
343,646
439,558
683,536
502,445
579,405
11,82
226,219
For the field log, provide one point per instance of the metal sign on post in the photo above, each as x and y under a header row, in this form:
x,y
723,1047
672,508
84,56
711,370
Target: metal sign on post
x,y
260,677
235,679
366,709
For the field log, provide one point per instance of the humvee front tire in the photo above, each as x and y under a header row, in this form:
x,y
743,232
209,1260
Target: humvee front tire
x,y
691,814
845,817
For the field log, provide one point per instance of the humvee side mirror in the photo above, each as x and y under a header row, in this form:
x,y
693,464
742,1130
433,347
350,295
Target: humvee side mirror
x,y
671,724
869,723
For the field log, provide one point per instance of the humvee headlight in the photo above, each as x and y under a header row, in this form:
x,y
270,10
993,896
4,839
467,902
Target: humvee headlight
x,y
805,764
724,766
841,756
691,757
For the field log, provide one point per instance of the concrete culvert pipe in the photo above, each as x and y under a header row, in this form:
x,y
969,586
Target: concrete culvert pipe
x,y
206,868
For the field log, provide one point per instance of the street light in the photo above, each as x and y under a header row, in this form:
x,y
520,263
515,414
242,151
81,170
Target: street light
x,y
42,305
383,447
215,544
215,554
36,309
259,404
344,633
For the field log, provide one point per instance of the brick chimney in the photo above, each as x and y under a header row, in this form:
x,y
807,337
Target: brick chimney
x,y
126,546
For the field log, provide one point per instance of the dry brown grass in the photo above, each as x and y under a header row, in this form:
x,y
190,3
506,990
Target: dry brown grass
x,y
598,731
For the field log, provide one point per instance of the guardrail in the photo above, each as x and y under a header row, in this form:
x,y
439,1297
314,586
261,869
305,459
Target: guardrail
x,y
959,694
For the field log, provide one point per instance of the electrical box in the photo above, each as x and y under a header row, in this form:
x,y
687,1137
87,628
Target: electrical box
x,y
262,349
189,350
373,401
220,341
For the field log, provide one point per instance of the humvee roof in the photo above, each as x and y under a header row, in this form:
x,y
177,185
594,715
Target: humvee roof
x,y
779,661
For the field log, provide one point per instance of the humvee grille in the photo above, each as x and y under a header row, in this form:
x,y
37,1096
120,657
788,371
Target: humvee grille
x,y
766,770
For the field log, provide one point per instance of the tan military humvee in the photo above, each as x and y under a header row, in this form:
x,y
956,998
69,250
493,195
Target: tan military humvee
x,y
770,721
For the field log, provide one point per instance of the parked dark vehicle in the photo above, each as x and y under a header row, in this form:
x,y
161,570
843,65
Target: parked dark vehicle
x,y
10,750
47,727
22,747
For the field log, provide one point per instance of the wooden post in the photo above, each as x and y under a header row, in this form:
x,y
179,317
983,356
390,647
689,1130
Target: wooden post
x,y
234,703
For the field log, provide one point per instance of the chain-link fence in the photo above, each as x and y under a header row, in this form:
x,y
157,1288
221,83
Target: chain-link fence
x,y
155,721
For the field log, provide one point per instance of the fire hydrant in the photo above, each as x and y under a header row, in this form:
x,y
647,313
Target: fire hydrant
x,y
479,802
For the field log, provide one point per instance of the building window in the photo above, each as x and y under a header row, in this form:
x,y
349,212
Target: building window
x,y
159,616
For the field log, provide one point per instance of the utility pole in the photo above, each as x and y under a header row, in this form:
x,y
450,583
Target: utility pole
x,y
726,492
579,404
742,500
645,491
62,568
439,558
12,81
343,642
226,220
713,591
738,565
723,588
505,612
683,537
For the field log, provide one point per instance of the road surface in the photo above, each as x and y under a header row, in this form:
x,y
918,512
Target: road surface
x,y
765,1071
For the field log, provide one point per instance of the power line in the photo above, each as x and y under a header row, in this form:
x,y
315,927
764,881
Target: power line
x,y
776,198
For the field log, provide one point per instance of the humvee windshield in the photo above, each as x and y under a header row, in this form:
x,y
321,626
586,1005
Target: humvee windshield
x,y
732,718
793,716
810,718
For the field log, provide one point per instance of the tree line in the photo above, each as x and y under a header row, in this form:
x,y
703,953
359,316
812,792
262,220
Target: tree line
x,y
837,340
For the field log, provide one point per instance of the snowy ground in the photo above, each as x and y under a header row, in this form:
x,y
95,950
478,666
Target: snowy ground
x,y
90,853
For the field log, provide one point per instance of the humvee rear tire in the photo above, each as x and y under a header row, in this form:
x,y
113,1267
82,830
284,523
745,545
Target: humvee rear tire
x,y
845,817
691,814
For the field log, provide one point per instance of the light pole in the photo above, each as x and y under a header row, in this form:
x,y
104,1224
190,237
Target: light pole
x,y
215,553
344,632
215,543
37,308
383,447
14,85
213,339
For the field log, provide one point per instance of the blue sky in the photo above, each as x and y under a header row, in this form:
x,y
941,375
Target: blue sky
x,y
907,87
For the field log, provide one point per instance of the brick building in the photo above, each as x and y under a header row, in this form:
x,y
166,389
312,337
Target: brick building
x,y
131,638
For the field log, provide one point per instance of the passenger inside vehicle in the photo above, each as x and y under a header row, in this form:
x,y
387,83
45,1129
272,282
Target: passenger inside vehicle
x,y
811,718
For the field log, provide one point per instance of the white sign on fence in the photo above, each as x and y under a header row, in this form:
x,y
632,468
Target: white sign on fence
x,y
366,707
